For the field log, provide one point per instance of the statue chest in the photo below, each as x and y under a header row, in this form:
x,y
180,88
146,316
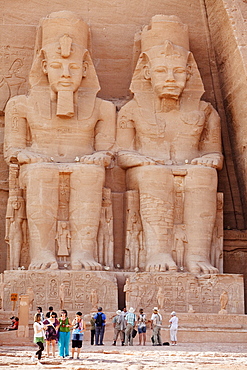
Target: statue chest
x,y
171,127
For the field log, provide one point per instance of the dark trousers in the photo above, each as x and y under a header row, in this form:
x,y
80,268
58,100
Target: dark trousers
x,y
99,334
40,350
92,336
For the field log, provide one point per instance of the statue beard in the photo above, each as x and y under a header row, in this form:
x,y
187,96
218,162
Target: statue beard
x,y
65,103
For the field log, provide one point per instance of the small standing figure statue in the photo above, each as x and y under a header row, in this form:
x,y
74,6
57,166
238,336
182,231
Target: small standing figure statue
x,y
160,298
15,229
127,290
134,239
62,295
30,293
63,238
105,232
180,238
223,302
94,300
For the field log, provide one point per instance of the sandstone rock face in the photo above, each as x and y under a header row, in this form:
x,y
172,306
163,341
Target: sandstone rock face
x,y
71,205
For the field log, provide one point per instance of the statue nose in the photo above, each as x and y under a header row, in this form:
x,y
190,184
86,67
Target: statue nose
x,y
170,75
66,72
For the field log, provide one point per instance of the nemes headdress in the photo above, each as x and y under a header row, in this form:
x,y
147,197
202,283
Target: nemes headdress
x,y
166,36
64,33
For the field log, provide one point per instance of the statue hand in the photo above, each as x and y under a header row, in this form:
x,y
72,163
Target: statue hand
x,y
214,160
133,159
99,158
26,156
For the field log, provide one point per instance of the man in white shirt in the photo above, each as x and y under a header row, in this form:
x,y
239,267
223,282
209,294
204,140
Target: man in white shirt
x,y
156,322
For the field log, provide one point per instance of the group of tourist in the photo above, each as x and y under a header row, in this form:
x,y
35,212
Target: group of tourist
x,y
124,324
52,330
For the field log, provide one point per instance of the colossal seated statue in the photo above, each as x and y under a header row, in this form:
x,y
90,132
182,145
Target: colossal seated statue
x,y
169,143
60,136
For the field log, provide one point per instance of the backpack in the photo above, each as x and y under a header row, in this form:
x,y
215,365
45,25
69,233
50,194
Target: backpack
x,y
99,320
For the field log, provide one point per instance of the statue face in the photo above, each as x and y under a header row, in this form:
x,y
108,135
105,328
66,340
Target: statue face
x,y
64,74
168,76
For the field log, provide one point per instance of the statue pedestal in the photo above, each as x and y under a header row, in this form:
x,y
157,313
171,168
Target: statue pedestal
x,y
179,291
78,286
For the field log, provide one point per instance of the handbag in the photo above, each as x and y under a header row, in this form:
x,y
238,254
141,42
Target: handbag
x,y
134,332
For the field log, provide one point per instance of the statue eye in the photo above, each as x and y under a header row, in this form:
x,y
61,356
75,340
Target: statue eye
x,y
55,65
74,66
179,70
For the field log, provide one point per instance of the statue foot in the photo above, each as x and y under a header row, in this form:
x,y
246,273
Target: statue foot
x,y
80,260
197,264
161,262
44,261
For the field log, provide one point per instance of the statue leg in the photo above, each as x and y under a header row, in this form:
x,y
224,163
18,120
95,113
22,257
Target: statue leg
x,y
86,183
155,184
41,181
199,217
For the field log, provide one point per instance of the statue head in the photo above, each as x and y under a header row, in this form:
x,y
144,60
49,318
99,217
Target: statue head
x,y
167,69
64,68
62,61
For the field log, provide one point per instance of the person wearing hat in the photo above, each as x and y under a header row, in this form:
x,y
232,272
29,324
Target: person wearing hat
x,y
14,324
118,325
131,322
173,328
156,322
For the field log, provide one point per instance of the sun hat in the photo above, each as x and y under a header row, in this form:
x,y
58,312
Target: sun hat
x,y
173,313
118,312
132,310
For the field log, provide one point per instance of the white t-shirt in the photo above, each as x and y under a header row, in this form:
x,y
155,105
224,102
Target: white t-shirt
x,y
38,330
174,322
157,319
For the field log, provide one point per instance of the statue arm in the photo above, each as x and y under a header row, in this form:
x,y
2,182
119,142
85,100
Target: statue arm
x,y
15,129
16,149
210,145
127,155
104,135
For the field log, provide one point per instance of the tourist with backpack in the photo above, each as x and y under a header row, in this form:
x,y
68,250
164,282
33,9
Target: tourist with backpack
x,y
100,319
156,322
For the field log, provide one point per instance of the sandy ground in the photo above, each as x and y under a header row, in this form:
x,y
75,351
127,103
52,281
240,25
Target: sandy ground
x,y
184,356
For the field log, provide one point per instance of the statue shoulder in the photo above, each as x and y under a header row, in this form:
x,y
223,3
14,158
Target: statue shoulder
x,y
207,108
17,105
127,112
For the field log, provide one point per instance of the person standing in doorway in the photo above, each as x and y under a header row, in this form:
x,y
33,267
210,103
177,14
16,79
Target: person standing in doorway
x,y
100,319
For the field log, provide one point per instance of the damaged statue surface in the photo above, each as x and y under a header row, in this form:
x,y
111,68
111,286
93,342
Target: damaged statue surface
x,y
61,133
165,132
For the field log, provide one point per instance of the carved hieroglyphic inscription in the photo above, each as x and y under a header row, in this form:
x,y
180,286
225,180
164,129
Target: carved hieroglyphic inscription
x,y
178,291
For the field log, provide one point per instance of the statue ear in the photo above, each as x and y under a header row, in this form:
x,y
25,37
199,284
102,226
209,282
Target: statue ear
x,y
146,72
44,66
84,69
189,71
